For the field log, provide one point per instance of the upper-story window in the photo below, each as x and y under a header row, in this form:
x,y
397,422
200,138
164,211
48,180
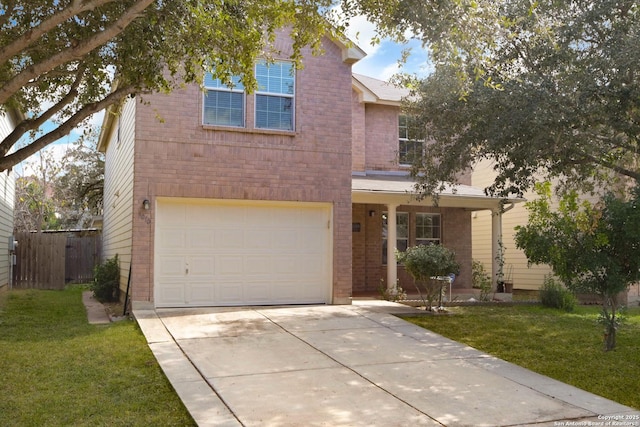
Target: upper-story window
x,y
275,95
408,147
223,105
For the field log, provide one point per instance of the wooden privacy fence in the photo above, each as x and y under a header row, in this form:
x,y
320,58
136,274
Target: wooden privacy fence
x,y
51,260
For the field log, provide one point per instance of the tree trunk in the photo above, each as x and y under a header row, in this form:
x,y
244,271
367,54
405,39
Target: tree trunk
x,y
610,338
611,323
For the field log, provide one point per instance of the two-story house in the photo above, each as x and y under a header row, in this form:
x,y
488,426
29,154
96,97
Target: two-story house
x,y
285,195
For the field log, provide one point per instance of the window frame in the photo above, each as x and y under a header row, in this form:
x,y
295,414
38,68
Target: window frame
x,y
237,89
428,240
264,92
410,145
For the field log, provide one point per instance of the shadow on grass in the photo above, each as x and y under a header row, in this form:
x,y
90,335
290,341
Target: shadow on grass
x,y
60,370
564,346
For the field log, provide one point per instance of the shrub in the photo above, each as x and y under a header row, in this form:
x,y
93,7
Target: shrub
x,y
106,280
554,295
480,279
426,264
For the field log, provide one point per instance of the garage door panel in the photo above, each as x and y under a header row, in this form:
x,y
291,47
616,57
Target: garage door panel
x,y
282,266
171,212
230,293
308,265
200,238
171,266
200,292
290,217
286,292
198,214
229,216
263,216
228,238
257,265
171,293
218,253
201,266
258,291
257,239
285,240
228,265
172,239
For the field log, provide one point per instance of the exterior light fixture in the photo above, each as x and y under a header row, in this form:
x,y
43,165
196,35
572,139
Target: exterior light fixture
x,y
146,205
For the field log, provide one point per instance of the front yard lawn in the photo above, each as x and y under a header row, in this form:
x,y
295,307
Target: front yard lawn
x,y
58,370
564,346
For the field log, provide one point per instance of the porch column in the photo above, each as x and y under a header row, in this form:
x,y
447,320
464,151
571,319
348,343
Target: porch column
x,y
392,239
496,236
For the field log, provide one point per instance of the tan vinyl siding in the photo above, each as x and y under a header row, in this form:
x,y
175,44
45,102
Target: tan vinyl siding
x,y
523,276
7,196
118,191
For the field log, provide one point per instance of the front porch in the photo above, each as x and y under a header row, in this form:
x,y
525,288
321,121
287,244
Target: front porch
x,y
461,296
386,209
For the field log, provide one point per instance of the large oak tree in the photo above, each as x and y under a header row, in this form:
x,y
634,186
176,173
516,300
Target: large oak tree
x,y
62,61
540,88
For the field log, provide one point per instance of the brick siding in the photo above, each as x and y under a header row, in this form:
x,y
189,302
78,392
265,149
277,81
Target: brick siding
x,y
179,157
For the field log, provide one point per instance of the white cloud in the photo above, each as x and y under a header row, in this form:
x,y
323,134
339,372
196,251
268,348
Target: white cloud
x,y
387,72
382,58
362,32
55,152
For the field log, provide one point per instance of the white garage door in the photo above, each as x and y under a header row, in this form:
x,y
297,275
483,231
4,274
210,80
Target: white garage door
x,y
221,253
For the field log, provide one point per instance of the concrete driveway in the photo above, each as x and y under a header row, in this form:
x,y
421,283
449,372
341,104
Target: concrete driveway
x,y
352,365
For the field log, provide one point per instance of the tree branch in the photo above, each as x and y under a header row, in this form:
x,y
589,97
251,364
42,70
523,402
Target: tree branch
x,y
614,167
30,36
86,46
62,130
33,124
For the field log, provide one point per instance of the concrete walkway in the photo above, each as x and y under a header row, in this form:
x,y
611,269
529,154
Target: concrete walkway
x,y
352,365
96,312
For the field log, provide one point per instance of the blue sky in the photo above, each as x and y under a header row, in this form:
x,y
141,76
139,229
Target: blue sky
x,y
381,61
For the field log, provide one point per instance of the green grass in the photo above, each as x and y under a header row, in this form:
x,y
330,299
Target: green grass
x,y
58,370
564,346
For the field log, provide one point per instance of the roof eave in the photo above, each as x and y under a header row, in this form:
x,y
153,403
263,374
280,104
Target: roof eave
x,y
351,53
367,96
468,202
105,129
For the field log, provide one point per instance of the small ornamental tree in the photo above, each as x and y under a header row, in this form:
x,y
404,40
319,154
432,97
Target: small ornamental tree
x,y
426,264
591,248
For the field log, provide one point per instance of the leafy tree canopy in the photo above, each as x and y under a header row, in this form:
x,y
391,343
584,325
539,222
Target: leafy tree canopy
x,y
60,60
61,193
548,87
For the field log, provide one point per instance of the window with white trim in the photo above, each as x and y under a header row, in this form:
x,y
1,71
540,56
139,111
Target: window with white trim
x,y
408,148
402,233
223,105
428,229
275,96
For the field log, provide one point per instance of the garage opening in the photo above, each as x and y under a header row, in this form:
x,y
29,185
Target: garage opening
x,y
229,253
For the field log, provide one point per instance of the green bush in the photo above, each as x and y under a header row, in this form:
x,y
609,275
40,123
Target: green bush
x,y
106,280
480,279
427,265
554,295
